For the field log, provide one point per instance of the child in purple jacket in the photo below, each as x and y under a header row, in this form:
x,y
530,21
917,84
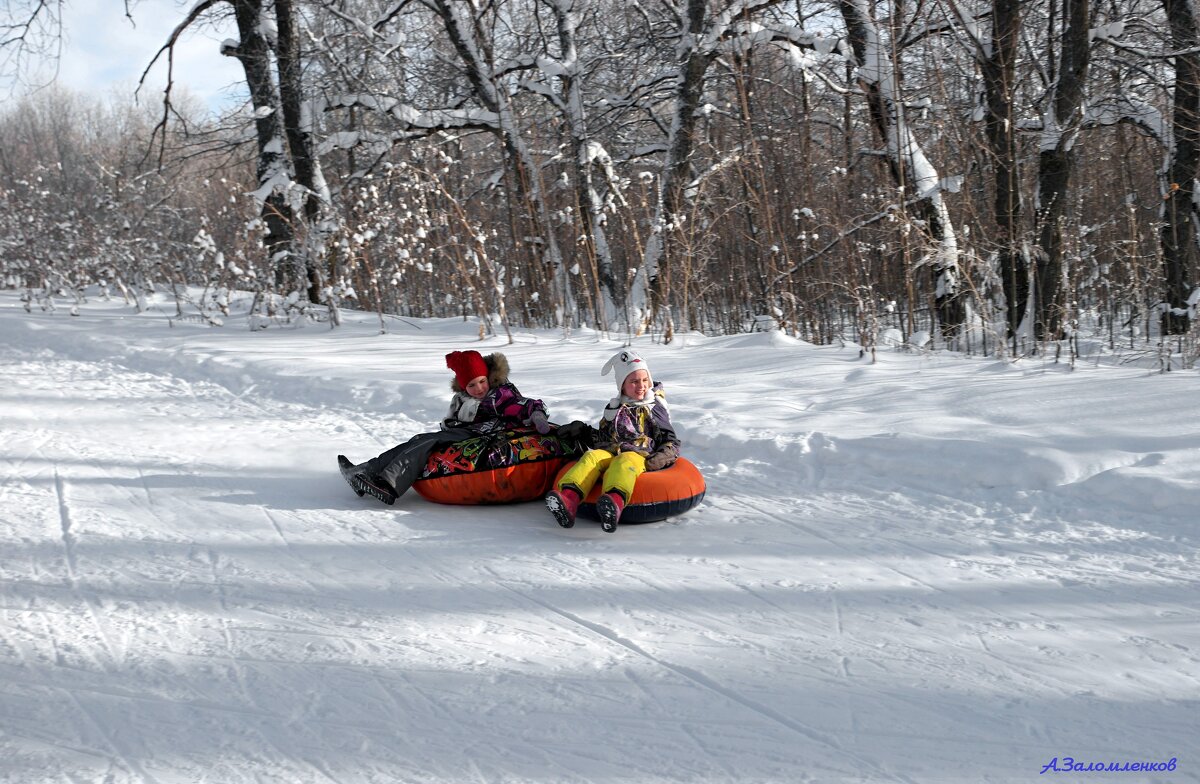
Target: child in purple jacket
x,y
484,400
635,436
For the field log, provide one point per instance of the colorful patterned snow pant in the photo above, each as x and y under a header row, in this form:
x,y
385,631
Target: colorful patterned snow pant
x,y
402,465
620,472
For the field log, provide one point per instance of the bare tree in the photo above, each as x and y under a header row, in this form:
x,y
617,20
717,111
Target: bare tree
x,y
701,32
911,169
1000,91
593,175
699,164
286,159
1179,218
463,20
1061,123
298,126
30,35
468,29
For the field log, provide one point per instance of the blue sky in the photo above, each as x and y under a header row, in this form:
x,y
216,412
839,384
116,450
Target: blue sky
x,y
105,51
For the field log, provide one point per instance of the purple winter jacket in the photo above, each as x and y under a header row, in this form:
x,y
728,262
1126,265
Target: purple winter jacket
x,y
503,405
639,426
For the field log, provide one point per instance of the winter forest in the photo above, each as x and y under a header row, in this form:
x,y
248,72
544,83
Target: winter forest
x,y
1001,175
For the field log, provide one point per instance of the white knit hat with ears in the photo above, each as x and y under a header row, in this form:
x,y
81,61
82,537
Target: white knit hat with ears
x,y
622,364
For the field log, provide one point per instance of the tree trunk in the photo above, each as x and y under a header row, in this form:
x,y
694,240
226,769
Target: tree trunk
x,y
1178,233
307,264
253,52
1055,163
909,167
999,69
587,156
467,43
648,294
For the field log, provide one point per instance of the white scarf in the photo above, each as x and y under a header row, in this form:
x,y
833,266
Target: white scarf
x,y
610,411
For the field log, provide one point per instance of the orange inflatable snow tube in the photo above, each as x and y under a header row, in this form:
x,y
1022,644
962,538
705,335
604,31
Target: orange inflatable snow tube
x,y
656,496
508,485
503,467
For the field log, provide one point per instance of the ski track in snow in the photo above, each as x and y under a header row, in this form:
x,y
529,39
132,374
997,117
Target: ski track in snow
x,y
189,591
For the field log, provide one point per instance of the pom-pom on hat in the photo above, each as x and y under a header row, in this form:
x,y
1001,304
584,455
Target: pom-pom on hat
x,y
467,366
622,364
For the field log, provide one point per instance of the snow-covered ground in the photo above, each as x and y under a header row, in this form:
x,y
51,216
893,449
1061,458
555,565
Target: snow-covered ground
x,y
928,569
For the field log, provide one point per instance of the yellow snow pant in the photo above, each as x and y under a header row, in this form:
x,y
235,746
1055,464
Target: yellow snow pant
x,y
620,472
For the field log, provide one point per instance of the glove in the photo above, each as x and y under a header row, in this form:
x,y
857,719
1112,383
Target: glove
x,y
539,422
577,431
660,460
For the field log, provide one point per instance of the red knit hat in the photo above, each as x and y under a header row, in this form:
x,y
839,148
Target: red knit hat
x,y
467,366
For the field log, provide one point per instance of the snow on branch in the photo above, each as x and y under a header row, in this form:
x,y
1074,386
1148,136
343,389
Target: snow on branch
x,y
1118,109
1149,119
752,35
524,62
541,88
721,25
957,19
414,119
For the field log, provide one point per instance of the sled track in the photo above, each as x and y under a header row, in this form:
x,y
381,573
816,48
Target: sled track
x,y
700,680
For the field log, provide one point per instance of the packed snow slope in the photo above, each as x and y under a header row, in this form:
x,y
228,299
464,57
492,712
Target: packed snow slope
x,y
927,569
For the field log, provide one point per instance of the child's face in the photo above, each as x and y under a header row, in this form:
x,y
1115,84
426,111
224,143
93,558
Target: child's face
x,y
478,387
636,384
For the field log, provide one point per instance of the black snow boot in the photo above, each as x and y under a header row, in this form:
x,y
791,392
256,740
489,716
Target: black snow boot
x,y
348,470
375,487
